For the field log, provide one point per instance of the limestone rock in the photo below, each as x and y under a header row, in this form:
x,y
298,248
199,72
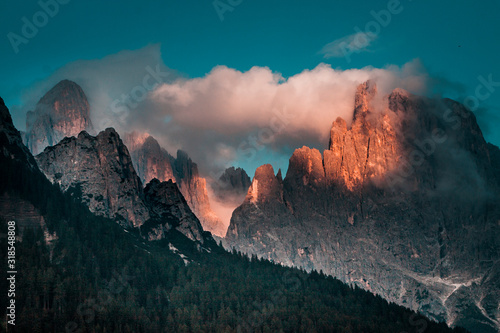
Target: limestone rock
x,y
169,206
232,185
61,112
404,203
101,168
151,161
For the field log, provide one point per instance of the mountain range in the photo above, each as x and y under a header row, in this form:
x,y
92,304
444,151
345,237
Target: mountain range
x,y
404,203
152,161
63,111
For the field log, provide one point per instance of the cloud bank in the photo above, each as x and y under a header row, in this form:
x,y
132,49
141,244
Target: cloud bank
x,y
227,117
105,81
231,117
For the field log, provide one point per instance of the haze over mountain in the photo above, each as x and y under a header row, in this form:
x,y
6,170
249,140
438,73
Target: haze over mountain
x,y
62,111
67,252
99,171
152,161
404,203
250,166
234,117
396,146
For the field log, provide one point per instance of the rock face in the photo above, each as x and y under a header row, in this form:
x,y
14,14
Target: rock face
x,y
61,112
101,168
151,161
232,185
404,203
194,189
171,210
12,206
368,149
11,140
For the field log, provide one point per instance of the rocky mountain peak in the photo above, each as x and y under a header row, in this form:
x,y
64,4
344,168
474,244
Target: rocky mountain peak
x,y
306,166
401,101
110,137
363,99
62,112
166,202
5,117
109,132
418,244
135,140
150,144
64,89
232,185
84,135
237,177
371,147
339,128
6,124
401,93
279,176
100,168
185,168
194,189
99,171
264,172
152,161
265,186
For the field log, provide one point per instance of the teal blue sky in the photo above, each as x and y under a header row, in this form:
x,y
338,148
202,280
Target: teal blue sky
x,y
456,40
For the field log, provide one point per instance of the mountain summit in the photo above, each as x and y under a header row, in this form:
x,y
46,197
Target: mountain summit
x,y
404,203
62,112
70,255
152,161
101,168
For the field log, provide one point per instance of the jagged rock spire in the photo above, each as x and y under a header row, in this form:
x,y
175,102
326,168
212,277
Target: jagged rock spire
x,y
62,112
265,186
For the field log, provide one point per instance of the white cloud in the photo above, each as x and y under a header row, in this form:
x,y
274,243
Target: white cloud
x,y
227,117
105,81
345,46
